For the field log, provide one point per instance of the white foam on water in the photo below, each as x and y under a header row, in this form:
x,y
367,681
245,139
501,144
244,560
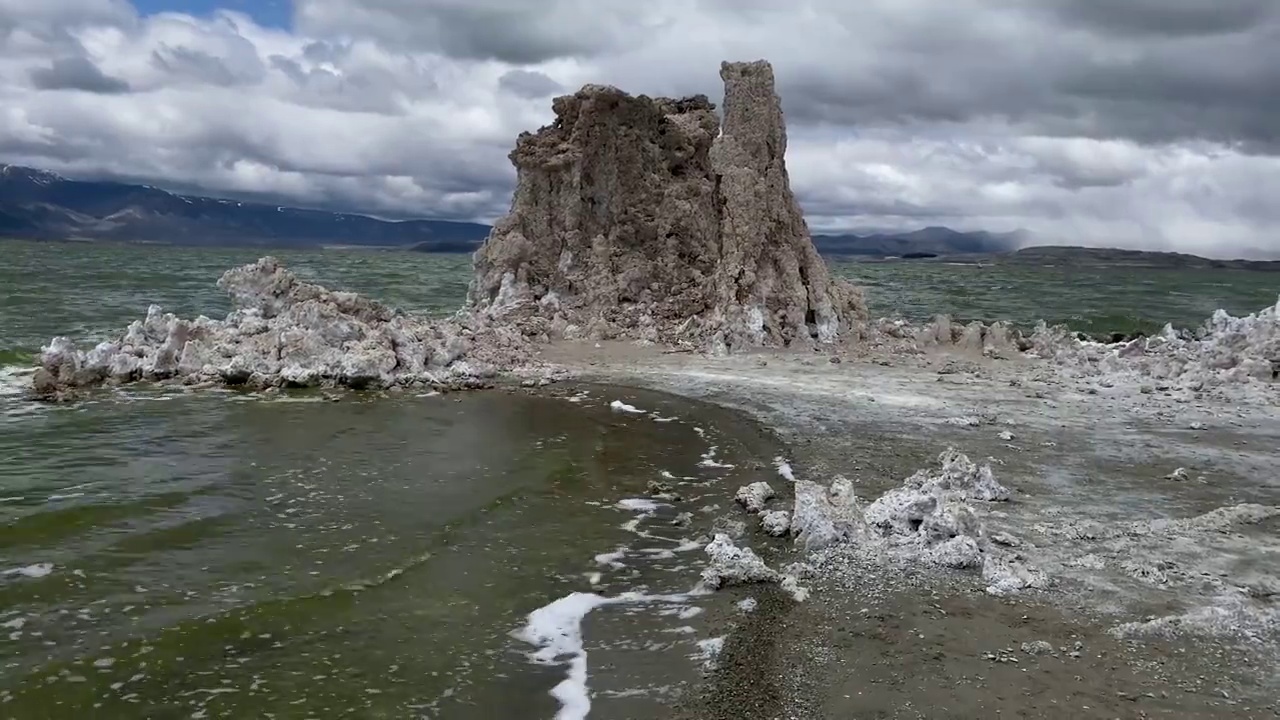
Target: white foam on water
x,y
688,546
709,650
659,419
643,505
14,380
784,469
556,630
37,570
612,559
709,459
64,496
619,406
689,612
658,553
747,605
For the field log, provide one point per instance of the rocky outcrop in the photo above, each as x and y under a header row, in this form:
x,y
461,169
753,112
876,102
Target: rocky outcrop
x,y
286,332
642,218
1224,351
633,217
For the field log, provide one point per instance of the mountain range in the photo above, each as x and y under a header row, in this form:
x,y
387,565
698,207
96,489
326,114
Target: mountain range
x,y
41,205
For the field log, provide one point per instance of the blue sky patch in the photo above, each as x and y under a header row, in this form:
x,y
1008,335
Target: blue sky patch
x,y
269,13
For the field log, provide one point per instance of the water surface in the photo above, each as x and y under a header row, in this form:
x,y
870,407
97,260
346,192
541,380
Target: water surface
x,y
175,554
167,554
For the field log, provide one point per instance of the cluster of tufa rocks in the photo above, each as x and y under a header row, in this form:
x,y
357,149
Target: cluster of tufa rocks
x,y
1224,350
288,333
931,519
633,218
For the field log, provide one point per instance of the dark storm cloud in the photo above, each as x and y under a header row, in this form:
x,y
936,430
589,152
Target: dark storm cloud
x,y
513,31
1151,70
76,73
1147,122
475,32
1169,18
529,84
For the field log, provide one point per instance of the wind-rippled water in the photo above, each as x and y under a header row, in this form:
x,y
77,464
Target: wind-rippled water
x,y
173,554
1090,299
167,554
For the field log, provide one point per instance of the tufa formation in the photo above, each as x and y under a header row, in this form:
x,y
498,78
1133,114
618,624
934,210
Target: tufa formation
x,y
633,218
645,219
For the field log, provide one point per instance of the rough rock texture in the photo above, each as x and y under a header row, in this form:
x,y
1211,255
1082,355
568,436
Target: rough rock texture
x,y
729,564
286,332
753,497
633,219
1224,351
996,340
826,516
776,522
928,519
930,514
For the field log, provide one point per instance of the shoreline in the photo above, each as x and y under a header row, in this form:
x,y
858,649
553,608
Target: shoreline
x,y
1090,458
877,418
1073,454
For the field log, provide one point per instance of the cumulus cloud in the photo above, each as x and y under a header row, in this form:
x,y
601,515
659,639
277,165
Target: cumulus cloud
x,y
1145,123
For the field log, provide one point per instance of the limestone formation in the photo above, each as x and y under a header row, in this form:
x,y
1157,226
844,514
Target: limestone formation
x,y
634,217
644,219
286,332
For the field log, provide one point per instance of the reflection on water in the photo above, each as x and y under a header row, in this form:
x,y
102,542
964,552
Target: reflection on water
x,y
213,555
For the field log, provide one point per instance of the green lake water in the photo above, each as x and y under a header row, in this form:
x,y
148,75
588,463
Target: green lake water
x,y
166,554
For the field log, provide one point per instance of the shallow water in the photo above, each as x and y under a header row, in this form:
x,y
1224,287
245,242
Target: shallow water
x,y
227,556
216,554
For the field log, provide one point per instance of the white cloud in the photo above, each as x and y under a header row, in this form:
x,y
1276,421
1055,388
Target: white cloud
x,y
1067,117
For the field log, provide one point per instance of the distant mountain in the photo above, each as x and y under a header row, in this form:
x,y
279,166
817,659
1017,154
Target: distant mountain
x,y
41,205
1114,257
930,241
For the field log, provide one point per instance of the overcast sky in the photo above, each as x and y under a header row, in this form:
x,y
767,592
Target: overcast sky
x,y
1140,123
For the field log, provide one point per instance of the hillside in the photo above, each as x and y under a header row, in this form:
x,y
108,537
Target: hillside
x,y
920,243
1114,257
41,205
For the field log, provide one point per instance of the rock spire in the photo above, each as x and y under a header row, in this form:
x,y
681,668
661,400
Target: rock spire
x,y
645,219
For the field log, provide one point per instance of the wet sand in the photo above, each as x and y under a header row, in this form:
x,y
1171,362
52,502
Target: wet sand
x,y
883,640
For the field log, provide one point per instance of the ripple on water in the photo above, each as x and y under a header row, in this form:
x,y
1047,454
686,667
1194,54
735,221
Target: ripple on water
x,y
222,558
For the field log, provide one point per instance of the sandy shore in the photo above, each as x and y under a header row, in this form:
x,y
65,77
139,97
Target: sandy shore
x,y
1144,617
